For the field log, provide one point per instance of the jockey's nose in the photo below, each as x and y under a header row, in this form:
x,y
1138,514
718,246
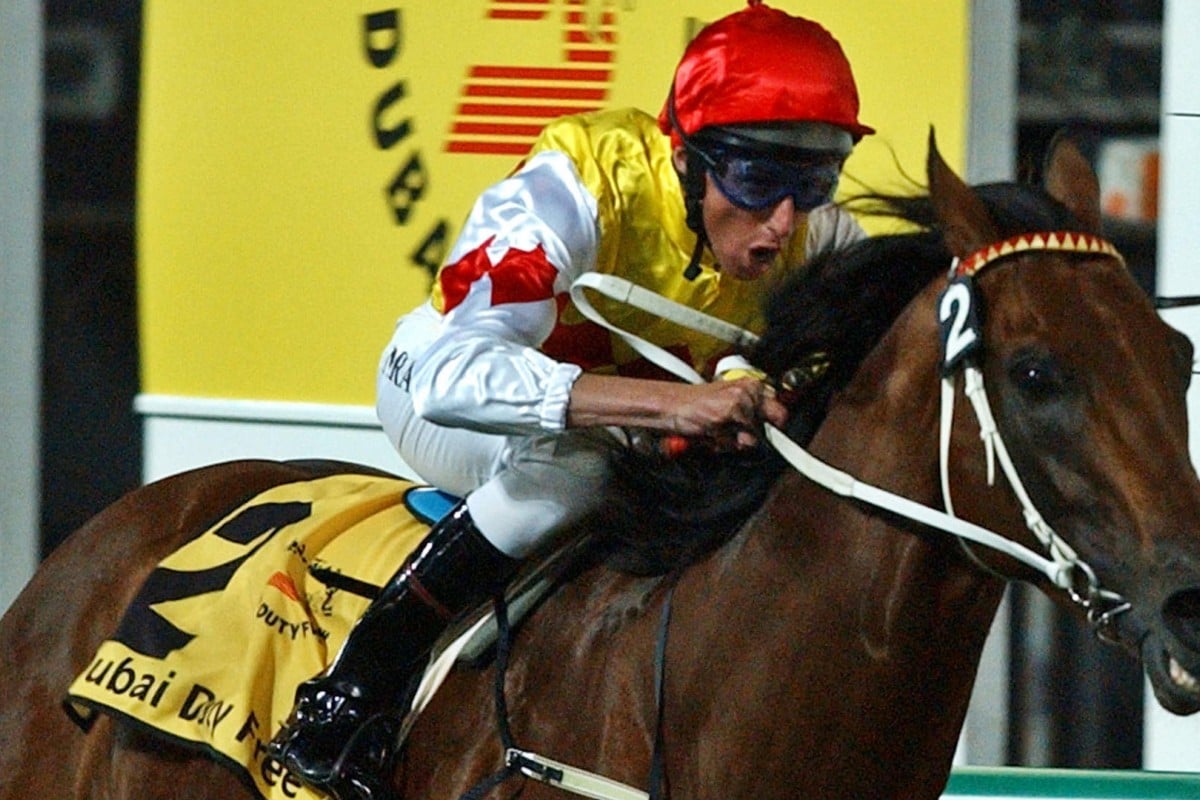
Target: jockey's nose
x,y
782,219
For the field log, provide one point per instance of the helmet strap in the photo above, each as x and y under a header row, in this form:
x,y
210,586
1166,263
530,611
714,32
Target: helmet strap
x,y
693,267
693,203
693,191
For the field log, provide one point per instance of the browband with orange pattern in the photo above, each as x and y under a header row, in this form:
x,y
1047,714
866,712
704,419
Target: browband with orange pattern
x,y
1061,241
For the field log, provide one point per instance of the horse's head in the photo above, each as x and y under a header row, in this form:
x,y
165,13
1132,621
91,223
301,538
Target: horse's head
x,y
1087,385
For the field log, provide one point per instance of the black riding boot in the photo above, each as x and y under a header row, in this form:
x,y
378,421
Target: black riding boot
x,y
341,735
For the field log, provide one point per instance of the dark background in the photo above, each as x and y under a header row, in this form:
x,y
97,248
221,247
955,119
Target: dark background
x,y
91,439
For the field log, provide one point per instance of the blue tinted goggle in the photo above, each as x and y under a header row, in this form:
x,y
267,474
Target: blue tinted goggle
x,y
755,182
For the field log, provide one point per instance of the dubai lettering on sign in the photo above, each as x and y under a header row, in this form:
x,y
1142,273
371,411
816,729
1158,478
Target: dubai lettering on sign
x,y
304,167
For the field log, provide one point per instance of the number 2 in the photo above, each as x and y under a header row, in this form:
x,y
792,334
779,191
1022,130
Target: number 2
x,y
960,336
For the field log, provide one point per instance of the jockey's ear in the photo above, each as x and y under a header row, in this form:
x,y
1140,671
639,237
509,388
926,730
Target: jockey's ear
x,y
679,159
964,221
1069,179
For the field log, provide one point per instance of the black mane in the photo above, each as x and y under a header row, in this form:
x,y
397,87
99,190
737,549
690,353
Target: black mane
x,y
666,513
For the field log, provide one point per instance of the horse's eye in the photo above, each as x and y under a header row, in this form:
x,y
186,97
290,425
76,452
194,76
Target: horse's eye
x,y
1037,377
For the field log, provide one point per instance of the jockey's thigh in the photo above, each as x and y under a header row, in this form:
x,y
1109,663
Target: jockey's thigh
x,y
547,482
455,460
520,490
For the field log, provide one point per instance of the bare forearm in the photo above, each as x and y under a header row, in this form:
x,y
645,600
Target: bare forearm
x,y
709,409
613,400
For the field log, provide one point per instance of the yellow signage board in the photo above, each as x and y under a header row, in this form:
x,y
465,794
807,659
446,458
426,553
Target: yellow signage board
x,y
304,165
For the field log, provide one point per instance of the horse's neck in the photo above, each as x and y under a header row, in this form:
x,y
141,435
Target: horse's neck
x,y
878,628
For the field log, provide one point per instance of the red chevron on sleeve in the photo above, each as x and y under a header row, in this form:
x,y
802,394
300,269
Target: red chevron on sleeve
x,y
520,276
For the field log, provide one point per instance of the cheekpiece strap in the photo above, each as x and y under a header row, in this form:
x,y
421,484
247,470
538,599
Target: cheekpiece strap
x,y
1061,241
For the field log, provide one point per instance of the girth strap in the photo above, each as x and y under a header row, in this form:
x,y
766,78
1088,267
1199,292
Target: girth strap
x,y
555,773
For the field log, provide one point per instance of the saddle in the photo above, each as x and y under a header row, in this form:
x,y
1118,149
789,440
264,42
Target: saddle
x,y
211,649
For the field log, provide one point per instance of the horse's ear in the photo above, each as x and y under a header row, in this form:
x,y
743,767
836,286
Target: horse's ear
x,y
964,220
1069,179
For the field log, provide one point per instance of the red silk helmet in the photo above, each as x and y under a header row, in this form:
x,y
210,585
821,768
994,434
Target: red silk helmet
x,y
762,67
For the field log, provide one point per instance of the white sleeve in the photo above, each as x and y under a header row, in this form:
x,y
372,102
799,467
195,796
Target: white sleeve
x,y
526,239
831,226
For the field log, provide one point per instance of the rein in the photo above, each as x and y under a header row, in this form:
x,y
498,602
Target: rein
x,y
962,337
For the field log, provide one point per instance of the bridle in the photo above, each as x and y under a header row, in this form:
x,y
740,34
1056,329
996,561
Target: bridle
x,y
962,336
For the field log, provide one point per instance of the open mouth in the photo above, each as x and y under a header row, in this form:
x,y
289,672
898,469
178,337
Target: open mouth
x,y
1174,673
1176,687
763,258
1178,643
1181,678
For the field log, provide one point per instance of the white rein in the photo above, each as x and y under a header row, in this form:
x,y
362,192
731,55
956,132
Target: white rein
x,y
961,335
1062,567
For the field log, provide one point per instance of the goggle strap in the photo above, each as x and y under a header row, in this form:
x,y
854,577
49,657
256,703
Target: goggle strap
x,y
693,268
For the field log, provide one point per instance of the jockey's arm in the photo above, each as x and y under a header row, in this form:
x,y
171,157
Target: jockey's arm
x,y
524,243
712,410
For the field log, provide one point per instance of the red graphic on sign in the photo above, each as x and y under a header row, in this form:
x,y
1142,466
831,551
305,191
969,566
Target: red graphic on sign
x,y
503,107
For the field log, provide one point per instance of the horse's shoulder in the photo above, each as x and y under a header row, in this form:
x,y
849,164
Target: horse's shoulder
x,y
599,607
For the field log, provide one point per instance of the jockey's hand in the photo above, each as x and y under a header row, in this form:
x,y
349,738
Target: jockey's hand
x,y
728,413
723,414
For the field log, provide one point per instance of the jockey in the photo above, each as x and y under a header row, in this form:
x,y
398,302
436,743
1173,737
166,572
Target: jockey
x,y
497,390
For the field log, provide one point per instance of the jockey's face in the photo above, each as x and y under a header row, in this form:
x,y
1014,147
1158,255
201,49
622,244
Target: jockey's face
x,y
746,243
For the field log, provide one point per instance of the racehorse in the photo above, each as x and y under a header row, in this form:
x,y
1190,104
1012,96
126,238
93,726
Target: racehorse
x,y
821,646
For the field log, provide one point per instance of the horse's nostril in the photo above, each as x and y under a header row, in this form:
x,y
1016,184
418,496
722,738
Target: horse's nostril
x,y
1181,614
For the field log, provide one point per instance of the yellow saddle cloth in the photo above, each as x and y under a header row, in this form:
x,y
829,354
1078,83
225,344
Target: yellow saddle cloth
x,y
212,648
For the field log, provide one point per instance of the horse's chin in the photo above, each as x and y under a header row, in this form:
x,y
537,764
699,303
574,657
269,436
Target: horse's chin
x,y
1176,686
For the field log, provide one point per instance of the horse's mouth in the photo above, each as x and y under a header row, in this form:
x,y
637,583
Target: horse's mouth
x,y
1171,652
1182,678
1176,687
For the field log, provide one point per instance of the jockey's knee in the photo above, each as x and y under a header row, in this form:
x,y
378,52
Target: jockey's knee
x,y
524,507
